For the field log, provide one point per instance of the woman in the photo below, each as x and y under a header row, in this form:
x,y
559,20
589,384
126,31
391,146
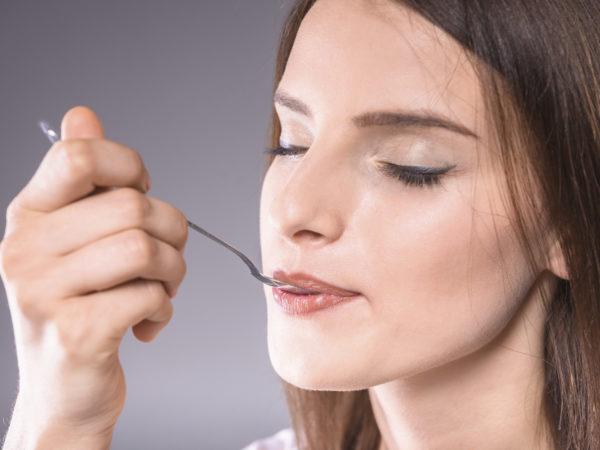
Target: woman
x,y
435,175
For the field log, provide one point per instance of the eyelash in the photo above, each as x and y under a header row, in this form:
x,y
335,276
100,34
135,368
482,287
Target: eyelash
x,y
414,175
286,151
410,175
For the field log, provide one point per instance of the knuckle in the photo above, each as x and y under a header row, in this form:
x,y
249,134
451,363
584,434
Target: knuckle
x,y
21,288
139,246
26,301
16,217
135,205
13,211
158,299
7,256
11,257
155,290
73,158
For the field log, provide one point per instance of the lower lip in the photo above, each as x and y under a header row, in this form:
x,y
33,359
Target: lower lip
x,y
295,304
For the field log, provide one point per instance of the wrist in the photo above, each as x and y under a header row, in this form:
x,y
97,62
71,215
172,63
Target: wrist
x,y
28,432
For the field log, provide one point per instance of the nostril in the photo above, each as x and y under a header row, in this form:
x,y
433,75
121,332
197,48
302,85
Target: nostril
x,y
307,234
309,238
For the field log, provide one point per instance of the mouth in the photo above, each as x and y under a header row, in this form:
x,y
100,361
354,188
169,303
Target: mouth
x,y
313,294
310,285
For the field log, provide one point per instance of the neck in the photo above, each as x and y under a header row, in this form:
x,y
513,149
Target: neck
x,y
492,397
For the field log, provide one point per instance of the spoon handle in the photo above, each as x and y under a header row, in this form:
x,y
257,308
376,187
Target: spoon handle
x,y
255,272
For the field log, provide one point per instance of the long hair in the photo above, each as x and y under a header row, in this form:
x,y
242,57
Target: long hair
x,y
538,62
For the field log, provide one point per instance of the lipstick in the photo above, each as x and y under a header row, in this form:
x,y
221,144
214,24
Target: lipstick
x,y
319,294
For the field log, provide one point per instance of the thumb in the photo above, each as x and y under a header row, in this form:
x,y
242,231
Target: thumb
x,y
81,122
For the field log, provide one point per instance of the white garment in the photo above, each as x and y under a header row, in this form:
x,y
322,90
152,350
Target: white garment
x,y
283,440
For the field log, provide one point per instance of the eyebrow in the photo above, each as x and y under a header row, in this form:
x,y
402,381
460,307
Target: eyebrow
x,y
425,119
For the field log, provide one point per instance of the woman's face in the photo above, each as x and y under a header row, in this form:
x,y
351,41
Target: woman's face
x,y
428,248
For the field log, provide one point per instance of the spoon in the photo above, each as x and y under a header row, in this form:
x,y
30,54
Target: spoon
x,y
53,138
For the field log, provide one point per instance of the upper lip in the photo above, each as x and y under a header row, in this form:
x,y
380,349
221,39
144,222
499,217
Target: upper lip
x,y
312,283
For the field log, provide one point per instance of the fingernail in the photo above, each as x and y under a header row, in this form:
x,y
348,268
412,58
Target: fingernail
x,y
148,182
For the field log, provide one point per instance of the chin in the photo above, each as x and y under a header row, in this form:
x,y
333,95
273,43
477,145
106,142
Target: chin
x,y
315,378
310,363
307,354
317,370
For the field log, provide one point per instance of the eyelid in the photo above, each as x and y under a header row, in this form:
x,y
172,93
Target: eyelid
x,y
286,150
412,176
422,170
415,176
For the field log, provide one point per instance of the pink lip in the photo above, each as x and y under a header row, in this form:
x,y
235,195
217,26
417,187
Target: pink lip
x,y
297,303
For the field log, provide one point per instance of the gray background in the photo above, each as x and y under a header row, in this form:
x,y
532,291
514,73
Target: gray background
x,y
188,85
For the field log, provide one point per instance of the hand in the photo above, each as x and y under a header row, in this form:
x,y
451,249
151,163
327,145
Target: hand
x,y
86,255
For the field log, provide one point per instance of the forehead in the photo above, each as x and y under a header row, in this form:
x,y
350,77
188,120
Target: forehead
x,y
355,55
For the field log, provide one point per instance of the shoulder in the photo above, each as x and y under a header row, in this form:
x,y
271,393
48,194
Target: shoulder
x,y
283,440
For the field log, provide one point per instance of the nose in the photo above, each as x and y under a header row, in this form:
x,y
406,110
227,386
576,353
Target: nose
x,y
312,198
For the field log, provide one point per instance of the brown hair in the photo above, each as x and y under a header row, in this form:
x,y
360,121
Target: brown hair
x,y
539,66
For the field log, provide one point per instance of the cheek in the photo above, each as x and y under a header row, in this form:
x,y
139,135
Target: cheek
x,y
446,276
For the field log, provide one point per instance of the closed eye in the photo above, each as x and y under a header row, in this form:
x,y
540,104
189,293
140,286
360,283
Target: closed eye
x,y
417,176
286,151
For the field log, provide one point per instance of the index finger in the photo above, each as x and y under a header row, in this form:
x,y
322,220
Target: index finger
x,y
73,169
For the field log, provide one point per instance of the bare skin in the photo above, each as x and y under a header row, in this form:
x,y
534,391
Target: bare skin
x,y
83,262
447,332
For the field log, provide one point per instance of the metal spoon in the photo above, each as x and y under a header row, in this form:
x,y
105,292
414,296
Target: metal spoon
x,y
53,138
